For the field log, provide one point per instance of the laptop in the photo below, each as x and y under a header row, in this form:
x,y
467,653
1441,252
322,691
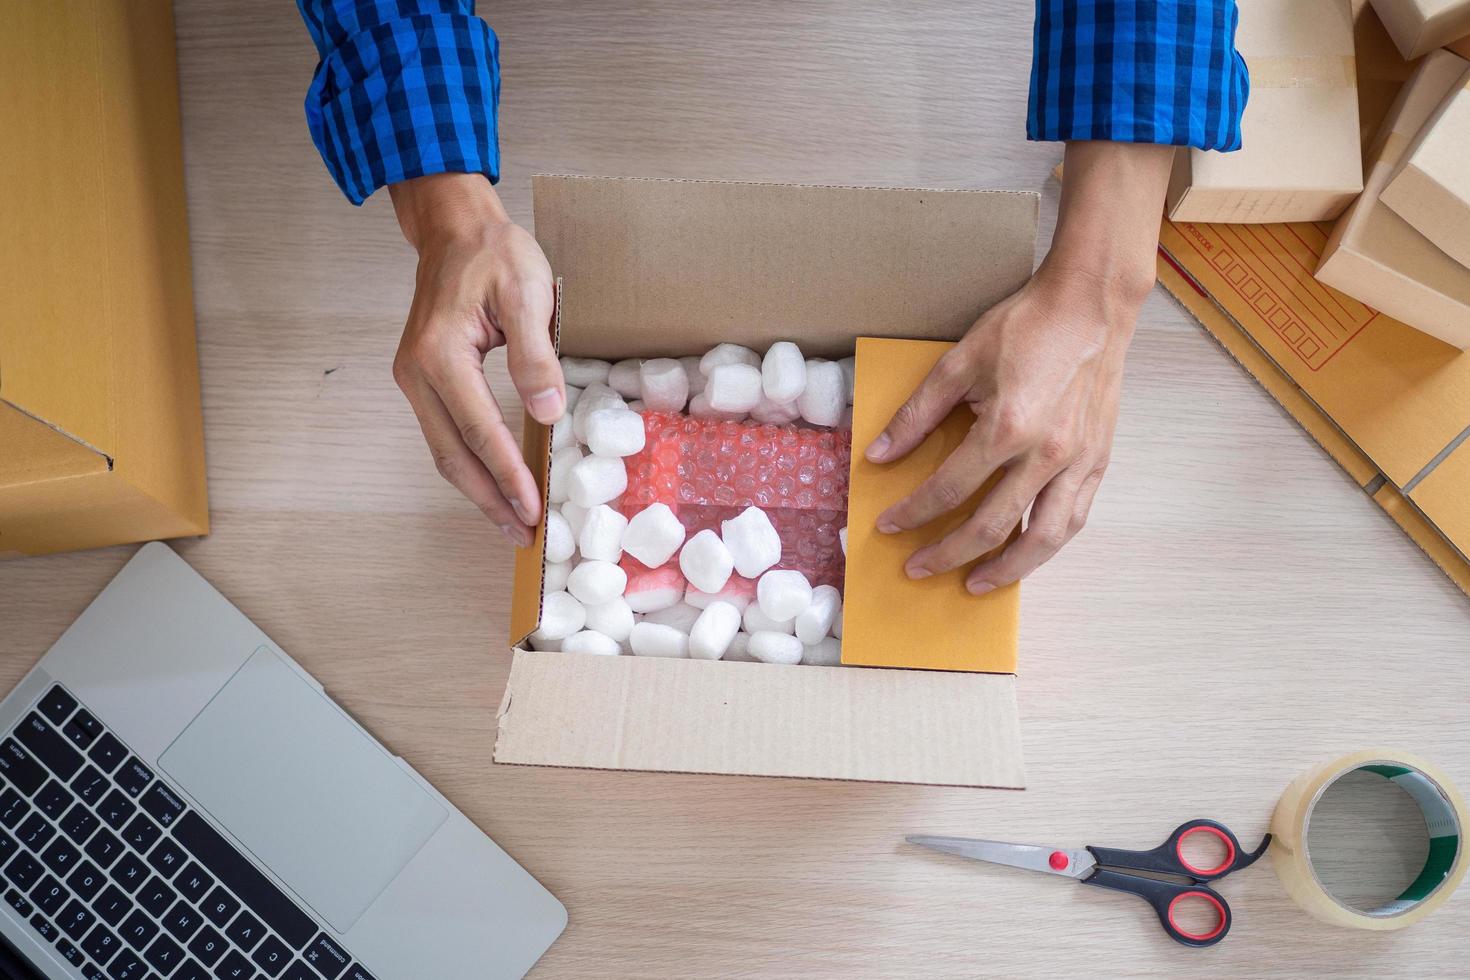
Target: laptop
x,y
179,799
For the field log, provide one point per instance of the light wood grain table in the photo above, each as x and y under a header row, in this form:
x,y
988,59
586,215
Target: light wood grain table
x,y
1236,611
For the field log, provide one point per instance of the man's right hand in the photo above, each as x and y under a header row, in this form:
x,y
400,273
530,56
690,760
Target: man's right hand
x,y
482,282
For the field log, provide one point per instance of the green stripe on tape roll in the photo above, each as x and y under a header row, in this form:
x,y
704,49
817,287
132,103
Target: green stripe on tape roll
x,y
1445,817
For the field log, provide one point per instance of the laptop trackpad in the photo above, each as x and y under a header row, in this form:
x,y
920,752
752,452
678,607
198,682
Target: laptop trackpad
x,y
312,797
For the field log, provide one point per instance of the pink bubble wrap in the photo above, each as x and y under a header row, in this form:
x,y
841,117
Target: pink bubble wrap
x,y
708,471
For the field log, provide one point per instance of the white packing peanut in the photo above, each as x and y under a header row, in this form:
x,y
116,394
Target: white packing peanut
x,y
756,621
654,640
739,649
826,652
663,384
614,432
728,354
613,618
823,399
576,516
837,625
699,407
753,541
775,413
595,397
842,537
739,597
681,616
815,621
733,388
562,461
783,593
591,641
696,376
555,577
783,372
652,589
623,378
560,545
562,435
636,405
706,562
541,645
653,535
574,394
584,371
712,632
561,616
595,480
601,536
775,648
594,582
849,375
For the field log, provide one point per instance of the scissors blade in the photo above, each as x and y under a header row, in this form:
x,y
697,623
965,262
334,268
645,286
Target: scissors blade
x,y
1069,862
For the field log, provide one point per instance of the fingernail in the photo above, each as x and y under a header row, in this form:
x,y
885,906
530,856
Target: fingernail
x,y
980,588
917,571
546,406
520,510
879,448
887,526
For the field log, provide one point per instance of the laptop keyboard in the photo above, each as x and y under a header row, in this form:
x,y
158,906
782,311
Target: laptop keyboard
x,y
109,865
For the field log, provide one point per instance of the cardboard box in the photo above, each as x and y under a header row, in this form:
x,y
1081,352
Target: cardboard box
x,y
1431,190
1460,47
1390,404
1419,26
1377,257
101,439
1381,70
662,267
1298,159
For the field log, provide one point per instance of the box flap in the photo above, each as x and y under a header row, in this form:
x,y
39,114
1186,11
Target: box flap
x,y
672,267
978,632
908,726
35,451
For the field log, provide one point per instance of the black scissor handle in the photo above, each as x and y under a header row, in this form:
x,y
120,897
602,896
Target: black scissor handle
x,y
1164,896
1168,857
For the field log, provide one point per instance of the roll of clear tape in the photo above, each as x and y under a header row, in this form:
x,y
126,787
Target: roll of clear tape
x,y
1445,817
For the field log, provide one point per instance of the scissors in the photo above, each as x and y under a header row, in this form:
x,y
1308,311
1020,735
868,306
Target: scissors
x,y
1095,866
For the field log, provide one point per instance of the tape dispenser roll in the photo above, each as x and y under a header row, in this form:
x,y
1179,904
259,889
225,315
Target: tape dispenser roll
x,y
1445,817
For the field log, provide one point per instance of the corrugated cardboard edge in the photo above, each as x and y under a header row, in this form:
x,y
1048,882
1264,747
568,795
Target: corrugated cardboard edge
x,y
851,723
1318,425
529,578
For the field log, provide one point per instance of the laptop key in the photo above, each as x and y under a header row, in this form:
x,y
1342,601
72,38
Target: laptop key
x,y
234,967
127,966
48,746
57,704
79,823
191,970
18,902
208,945
83,729
300,971
104,847
75,919
155,896
69,952
8,846
129,872
34,832
54,799
91,785
107,752
24,871
17,765
101,944
86,880
47,930
164,955
49,895
133,777
61,856
113,905
220,907
93,972
167,858
182,920
141,833
116,809
244,879
356,972
193,882
327,957
137,930
13,807
271,956
162,803
245,931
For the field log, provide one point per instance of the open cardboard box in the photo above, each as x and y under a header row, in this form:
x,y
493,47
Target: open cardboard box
x,y
670,268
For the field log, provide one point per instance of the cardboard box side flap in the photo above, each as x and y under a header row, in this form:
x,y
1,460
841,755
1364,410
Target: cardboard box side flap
x,y
648,713
1431,189
672,267
35,451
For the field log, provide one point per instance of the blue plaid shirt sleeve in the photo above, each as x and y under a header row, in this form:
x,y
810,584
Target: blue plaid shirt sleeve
x,y
404,88
1137,71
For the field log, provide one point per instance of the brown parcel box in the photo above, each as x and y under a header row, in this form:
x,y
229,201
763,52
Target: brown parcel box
x,y
672,267
1377,257
100,431
1298,159
1431,190
1418,26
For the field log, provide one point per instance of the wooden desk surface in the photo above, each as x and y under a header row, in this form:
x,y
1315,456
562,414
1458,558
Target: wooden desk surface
x,y
1236,611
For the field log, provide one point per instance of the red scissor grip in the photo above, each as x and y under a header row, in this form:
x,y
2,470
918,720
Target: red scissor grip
x,y
1224,838
1202,937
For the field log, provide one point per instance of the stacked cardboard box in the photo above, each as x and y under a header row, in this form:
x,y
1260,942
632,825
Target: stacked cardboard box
x,y
1431,189
1420,26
